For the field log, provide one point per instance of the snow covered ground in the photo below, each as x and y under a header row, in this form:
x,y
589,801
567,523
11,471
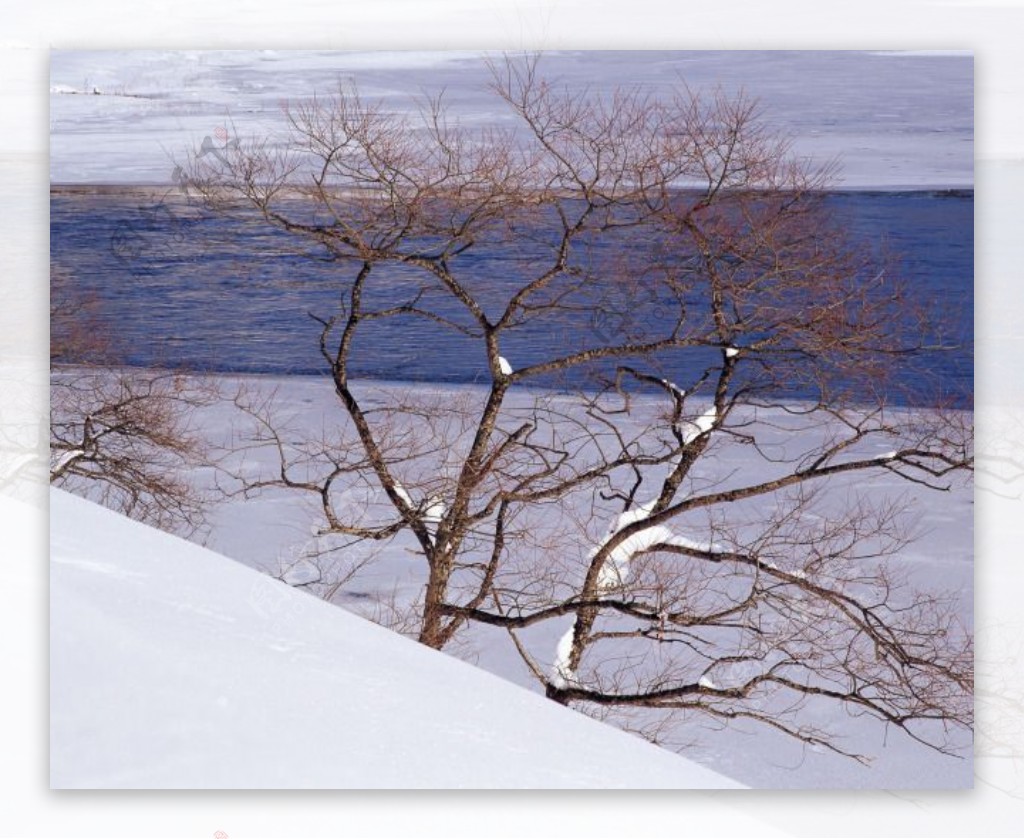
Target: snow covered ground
x,y
897,119
173,667
271,533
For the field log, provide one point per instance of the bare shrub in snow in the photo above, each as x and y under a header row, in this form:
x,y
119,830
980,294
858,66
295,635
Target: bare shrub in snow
x,y
121,436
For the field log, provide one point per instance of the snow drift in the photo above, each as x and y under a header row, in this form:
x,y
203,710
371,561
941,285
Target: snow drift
x,y
175,667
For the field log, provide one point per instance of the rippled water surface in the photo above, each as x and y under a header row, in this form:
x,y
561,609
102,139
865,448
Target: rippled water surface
x,y
187,289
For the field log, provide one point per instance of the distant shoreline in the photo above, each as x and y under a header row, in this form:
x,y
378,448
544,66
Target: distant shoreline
x,y
149,190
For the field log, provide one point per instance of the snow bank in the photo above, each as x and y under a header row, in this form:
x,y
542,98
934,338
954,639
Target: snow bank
x,y
174,667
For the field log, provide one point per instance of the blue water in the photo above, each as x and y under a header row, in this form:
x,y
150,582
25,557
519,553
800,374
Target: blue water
x,y
188,289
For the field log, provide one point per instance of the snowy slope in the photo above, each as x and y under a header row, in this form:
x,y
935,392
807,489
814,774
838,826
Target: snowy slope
x,y
174,667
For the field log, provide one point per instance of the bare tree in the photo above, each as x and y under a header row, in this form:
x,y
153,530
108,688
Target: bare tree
x,y
121,436
715,545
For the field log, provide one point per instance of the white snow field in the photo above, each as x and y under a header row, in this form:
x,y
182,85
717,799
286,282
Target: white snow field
x,y
899,119
202,636
174,667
